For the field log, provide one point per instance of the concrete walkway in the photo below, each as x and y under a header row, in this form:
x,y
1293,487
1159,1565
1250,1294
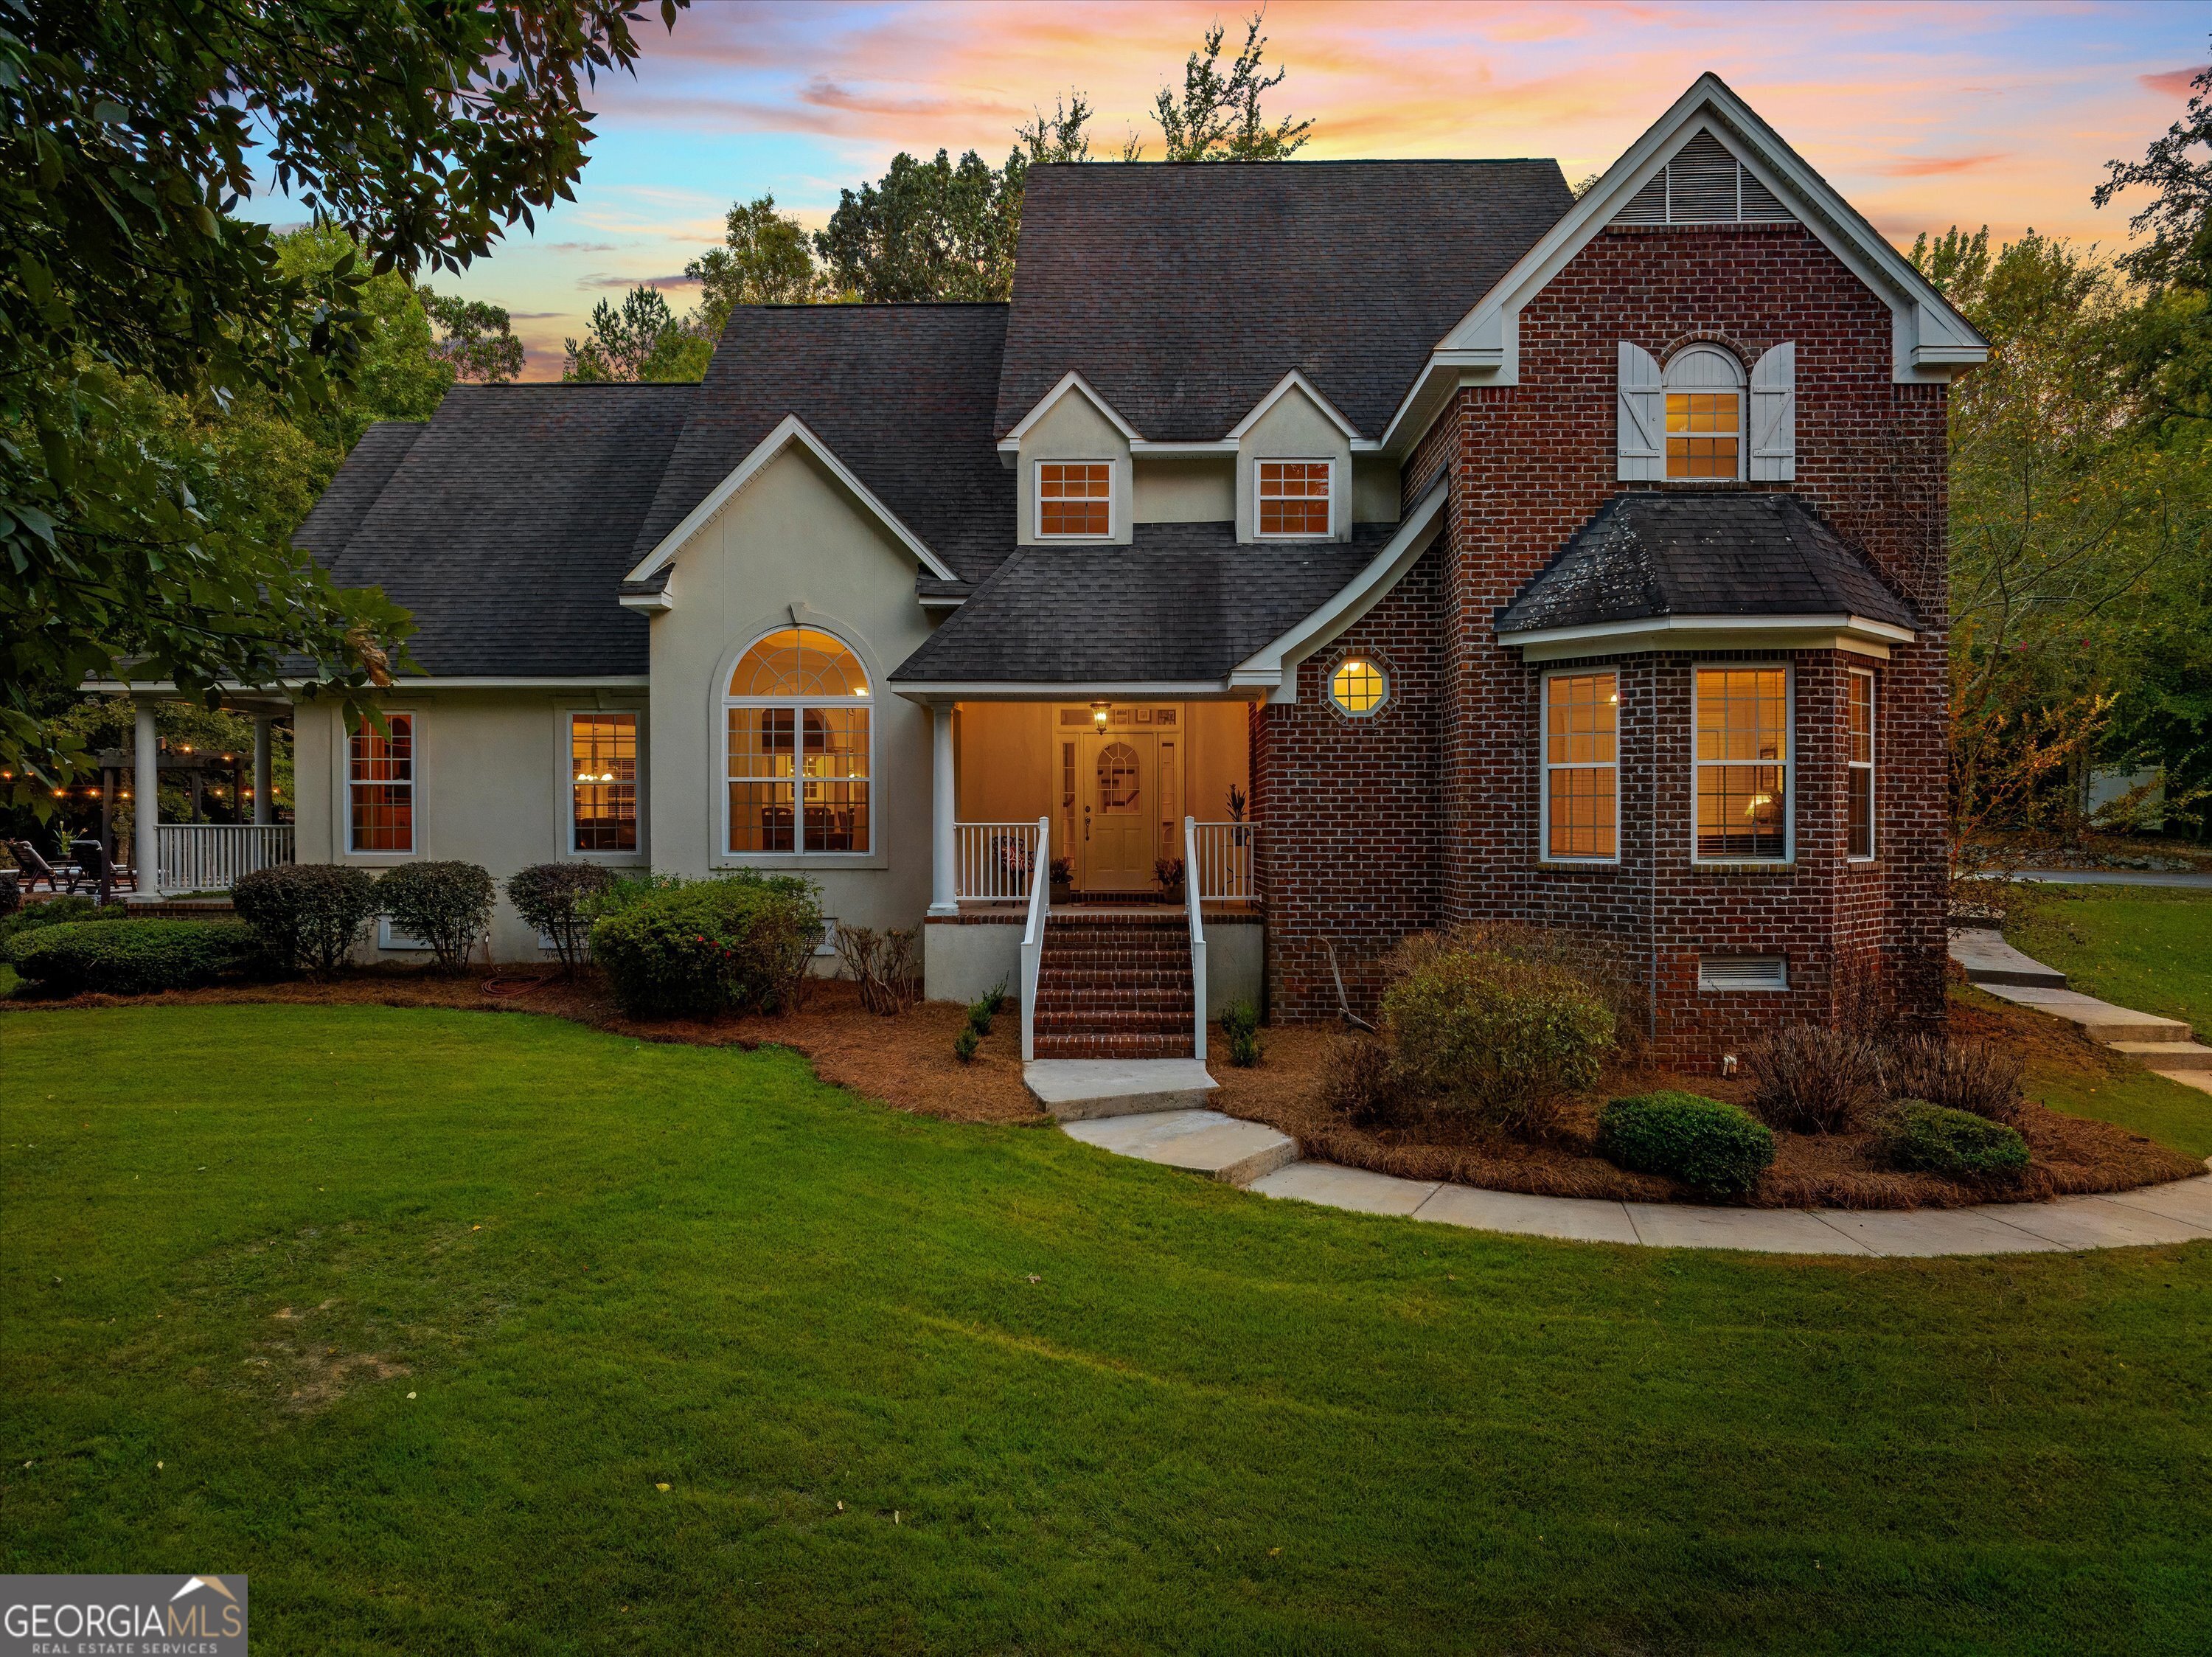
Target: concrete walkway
x,y
2119,877
2166,1045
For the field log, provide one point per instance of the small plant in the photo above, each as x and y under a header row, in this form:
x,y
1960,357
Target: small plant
x,y
556,899
1063,873
1814,1080
140,959
1966,1076
1359,1083
1167,871
1698,1140
979,1016
1507,1039
446,905
1240,1026
964,1044
994,998
1926,1138
307,916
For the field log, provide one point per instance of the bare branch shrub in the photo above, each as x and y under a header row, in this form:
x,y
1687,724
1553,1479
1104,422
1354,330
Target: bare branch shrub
x,y
1814,1080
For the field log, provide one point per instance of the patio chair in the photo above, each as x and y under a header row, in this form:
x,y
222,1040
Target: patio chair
x,y
37,869
93,860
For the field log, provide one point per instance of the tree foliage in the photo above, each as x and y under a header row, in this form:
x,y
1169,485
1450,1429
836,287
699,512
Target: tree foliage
x,y
765,259
645,340
1218,117
131,296
475,337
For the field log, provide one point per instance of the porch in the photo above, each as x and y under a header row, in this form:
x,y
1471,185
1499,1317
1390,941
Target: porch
x,y
170,859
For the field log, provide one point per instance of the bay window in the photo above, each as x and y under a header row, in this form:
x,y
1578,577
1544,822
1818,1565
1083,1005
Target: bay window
x,y
1743,762
1859,762
1582,730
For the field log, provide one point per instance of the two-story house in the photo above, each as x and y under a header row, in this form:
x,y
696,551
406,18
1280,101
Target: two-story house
x,y
1388,543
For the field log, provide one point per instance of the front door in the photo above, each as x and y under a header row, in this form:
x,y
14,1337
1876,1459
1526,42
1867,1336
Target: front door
x,y
1117,783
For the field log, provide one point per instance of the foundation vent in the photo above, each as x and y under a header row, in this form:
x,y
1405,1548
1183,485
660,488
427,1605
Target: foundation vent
x,y
1743,972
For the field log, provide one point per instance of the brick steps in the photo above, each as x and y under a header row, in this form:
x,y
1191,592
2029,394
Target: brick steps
x,y
1115,986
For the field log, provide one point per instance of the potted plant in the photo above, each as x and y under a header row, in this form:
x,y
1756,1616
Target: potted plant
x,y
1167,871
1063,879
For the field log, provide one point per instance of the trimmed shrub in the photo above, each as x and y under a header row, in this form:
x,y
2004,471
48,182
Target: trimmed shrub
x,y
964,1044
1359,1083
447,905
66,911
1240,1025
307,916
1698,1140
700,950
1964,1075
1926,1138
556,900
145,956
1814,1080
1503,1037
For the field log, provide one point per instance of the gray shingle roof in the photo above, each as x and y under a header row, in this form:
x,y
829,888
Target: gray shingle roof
x,y
1647,554
902,395
505,524
1185,291
1184,603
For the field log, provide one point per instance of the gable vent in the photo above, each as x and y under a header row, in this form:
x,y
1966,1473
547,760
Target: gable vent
x,y
1704,185
1743,972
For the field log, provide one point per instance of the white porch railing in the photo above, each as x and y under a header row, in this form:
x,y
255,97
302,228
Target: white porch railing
x,y
211,857
1190,897
994,861
1040,897
1222,864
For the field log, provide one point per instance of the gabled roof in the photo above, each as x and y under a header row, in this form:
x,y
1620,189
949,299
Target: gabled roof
x,y
1728,556
505,525
901,395
1185,291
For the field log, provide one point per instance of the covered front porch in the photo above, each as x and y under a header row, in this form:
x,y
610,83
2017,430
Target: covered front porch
x,y
173,859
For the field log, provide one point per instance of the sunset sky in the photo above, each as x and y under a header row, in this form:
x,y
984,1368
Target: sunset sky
x,y
1923,115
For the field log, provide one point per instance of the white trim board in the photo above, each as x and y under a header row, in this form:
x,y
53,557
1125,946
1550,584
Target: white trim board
x,y
1294,381
1856,634
1069,381
788,430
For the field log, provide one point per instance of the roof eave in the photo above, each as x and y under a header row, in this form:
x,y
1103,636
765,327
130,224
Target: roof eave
x,y
1637,635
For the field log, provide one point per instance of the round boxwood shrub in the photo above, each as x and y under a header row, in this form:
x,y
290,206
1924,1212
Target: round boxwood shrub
x,y
447,905
709,947
554,898
1505,1037
306,915
1926,1138
1698,1140
145,956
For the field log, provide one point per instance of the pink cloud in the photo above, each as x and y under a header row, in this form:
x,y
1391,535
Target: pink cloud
x,y
1926,166
2173,83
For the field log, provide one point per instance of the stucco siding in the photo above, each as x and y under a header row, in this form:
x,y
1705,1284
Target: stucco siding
x,y
1074,429
1294,428
1201,491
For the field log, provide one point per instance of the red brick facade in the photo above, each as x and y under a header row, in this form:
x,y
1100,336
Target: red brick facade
x,y
1429,811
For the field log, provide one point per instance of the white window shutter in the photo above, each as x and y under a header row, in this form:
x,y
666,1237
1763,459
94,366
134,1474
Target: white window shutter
x,y
1774,414
1641,420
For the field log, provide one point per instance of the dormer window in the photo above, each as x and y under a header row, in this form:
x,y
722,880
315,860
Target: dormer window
x,y
1075,498
1705,415
1294,497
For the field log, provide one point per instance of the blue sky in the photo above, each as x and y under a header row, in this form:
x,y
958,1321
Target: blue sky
x,y
1924,115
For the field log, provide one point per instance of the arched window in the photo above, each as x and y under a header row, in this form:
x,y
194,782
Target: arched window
x,y
1118,779
799,747
1704,414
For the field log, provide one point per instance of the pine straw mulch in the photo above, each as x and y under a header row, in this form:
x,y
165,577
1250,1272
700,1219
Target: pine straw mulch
x,y
907,1062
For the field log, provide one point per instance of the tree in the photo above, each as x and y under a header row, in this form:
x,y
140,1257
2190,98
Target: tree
x,y
475,338
643,341
129,134
2180,248
1218,117
765,259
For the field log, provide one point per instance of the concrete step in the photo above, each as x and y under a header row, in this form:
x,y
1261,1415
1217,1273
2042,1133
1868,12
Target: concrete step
x,y
2099,1021
1989,959
2166,1054
1199,1141
1076,1090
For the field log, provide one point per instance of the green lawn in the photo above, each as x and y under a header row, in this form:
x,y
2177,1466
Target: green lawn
x,y
2147,947
915,1386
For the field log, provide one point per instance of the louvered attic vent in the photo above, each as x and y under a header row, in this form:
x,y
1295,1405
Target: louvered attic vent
x,y
1703,185
1743,972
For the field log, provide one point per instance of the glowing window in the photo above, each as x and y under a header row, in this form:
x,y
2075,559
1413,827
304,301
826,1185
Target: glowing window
x,y
381,786
1705,415
1743,765
1859,826
1075,497
1581,726
1119,780
1294,497
603,781
800,751
1357,686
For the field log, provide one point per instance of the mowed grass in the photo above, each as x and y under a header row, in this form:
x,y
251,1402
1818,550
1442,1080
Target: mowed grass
x,y
2147,947
913,1385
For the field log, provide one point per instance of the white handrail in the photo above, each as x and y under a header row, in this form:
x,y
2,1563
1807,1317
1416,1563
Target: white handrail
x,y
211,857
994,860
1223,865
1033,934
1197,931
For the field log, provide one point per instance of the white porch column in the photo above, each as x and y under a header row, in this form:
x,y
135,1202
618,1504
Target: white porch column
x,y
942,813
146,803
264,772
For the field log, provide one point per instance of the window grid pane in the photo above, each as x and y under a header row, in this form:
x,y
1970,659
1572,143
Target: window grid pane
x,y
1294,497
835,806
1859,816
799,661
1703,429
1743,718
603,780
1075,498
1357,686
381,772
759,779
1582,722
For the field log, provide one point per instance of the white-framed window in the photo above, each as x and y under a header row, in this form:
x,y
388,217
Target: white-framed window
x,y
800,749
1743,758
1292,498
1358,686
1074,500
1582,767
380,801
1705,415
603,759
1859,804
